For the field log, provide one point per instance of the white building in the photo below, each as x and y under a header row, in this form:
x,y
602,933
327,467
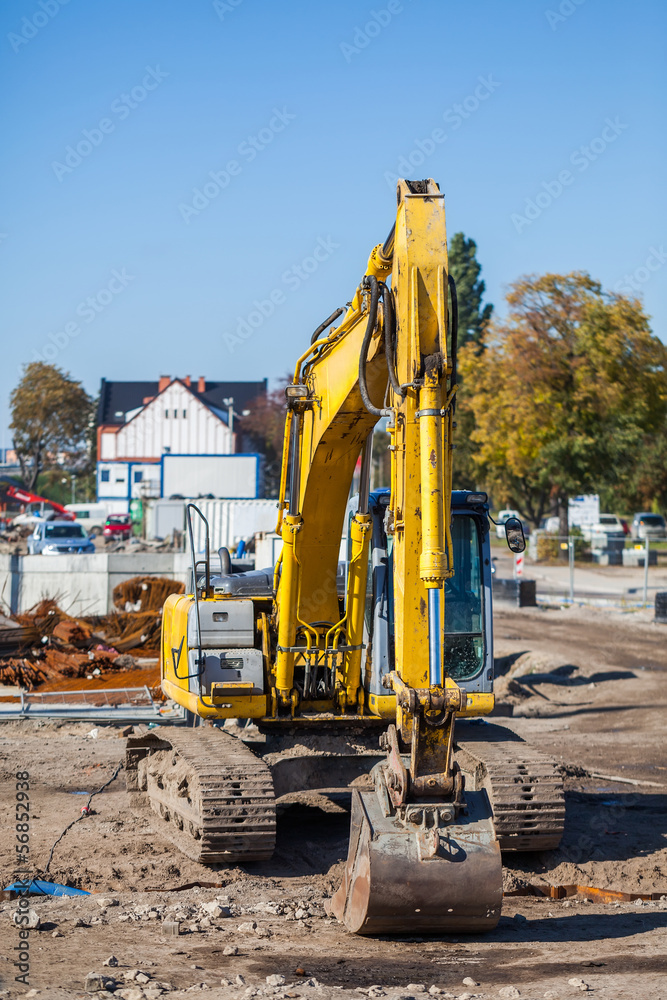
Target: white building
x,y
145,427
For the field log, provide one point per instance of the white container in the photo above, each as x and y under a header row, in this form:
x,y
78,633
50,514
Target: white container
x,y
219,475
230,521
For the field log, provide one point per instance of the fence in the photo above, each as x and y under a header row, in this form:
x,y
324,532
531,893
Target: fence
x,y
572,562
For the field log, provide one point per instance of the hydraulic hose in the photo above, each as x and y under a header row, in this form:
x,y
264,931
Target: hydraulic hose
x,y
389,338
454,330
371,282
322,327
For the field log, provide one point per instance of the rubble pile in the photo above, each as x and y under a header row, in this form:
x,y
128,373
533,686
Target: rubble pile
x,y
46,643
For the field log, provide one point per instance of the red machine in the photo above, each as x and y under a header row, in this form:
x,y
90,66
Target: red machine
x,y
24,496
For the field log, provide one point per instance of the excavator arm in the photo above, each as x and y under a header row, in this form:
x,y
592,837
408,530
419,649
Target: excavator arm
x,y
392,356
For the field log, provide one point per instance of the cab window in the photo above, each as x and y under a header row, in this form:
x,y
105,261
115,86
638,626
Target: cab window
x,y
464,603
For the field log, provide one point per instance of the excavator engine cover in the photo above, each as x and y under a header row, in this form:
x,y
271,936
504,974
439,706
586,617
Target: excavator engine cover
x,y
417,870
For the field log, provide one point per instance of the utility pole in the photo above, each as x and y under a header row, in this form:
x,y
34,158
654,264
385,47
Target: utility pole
x,y
231,412
570,545
229,403
646,551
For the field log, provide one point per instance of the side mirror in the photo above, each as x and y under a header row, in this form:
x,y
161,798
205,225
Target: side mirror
x,y
516,540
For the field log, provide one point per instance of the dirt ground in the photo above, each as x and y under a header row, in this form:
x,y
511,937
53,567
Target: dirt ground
x,y
587,685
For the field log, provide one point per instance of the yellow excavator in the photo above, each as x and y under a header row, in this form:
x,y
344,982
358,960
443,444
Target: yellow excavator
x,y
365,656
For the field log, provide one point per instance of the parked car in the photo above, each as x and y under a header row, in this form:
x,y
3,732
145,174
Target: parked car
x,y
54,538
117,526
647,525
608,524
504,515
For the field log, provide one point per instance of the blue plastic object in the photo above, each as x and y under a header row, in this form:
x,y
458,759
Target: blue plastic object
x,y
37,887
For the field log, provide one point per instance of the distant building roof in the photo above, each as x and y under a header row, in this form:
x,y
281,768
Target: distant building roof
x,y
118,398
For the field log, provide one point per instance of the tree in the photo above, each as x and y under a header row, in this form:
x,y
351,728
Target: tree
x,y
265,426
565,394
466,269
473,323
51,418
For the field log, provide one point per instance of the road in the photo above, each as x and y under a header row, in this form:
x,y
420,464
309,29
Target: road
x,y
591,582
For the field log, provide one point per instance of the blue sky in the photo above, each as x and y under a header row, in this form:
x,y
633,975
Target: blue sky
x,y
190,187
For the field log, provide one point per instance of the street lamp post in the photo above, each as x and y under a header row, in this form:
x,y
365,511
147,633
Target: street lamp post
x,y
231,412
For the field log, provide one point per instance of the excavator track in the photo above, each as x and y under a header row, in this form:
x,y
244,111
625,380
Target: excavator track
x,y
524,787
214,798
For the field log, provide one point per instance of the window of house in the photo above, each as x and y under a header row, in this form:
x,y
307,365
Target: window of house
x,y
166,413
185,413
138,475
104,476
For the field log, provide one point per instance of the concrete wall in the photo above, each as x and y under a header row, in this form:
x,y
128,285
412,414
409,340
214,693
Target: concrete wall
x,y
81,584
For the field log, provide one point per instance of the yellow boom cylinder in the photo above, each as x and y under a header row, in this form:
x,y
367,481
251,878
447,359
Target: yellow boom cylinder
x,y
433,561
360,535
289,582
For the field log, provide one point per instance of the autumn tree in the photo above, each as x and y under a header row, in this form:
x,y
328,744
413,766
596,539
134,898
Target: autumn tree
x,y
265,427
51,417
564,396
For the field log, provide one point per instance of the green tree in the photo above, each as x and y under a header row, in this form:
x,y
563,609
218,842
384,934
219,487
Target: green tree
x,y
466,269
51,421
565,394
473,323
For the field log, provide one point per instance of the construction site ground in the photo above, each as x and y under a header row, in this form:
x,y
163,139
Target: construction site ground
x,y
588,685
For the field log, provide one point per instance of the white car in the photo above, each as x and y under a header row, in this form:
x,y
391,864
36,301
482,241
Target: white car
x,y
608,524
504,515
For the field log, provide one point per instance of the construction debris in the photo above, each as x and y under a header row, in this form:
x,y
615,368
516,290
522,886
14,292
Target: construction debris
x,y
145,593
46,643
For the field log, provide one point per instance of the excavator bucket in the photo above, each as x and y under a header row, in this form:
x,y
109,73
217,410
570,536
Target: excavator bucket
x,y
418,873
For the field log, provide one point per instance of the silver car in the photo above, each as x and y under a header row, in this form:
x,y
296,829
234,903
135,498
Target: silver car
x,y
648,525
55,538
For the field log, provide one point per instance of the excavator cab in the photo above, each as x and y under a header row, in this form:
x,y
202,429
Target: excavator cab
x,y
468,643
